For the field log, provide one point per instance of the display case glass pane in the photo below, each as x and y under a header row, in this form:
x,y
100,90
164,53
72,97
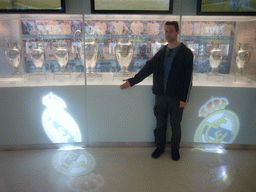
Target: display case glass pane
x,y
39,50
53,50
223,49
125,43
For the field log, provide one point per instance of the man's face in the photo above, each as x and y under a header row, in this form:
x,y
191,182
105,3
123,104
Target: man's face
x,y
170,33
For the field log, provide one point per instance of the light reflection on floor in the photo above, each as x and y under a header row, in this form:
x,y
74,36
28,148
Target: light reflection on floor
x,y
126,170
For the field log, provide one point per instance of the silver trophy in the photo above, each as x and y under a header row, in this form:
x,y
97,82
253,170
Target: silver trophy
x,y
158,44
36,52
215,58
124,53
13,54
91,54
61,53
87,48
242,56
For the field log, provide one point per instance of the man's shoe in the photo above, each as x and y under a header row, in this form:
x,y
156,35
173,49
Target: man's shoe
x,y
157,153
175,155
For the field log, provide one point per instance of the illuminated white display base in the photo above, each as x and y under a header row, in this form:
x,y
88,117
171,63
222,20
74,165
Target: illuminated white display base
x,y
43,79
215,77
199,79
221,80
242,79
106,78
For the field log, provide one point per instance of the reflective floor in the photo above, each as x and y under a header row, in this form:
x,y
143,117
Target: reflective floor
x,y
127,170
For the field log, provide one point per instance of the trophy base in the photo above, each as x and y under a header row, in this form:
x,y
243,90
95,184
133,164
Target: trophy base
x,y
94,77
12,81
15,75
122,74
242,79
62,76
37,77
215,77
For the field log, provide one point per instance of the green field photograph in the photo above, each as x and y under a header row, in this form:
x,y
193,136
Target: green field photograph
x,y
30,4
144,5
228,6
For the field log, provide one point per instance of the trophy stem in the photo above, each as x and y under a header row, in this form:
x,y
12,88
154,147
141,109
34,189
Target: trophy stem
x,y
124,69
90,70
63,68
240,71
39,69
214,71
15,70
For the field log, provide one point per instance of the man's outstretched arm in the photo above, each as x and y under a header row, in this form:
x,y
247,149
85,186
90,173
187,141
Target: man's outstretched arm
x,y
125,85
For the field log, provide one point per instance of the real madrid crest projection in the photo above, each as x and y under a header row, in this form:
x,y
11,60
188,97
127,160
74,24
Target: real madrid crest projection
x,y
59,126
219,125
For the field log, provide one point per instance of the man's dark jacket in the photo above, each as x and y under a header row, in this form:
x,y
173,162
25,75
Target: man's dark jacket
x,y
180,76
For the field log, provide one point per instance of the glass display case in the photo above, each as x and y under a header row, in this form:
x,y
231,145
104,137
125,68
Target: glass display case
x,y
223,48
39,50
53,50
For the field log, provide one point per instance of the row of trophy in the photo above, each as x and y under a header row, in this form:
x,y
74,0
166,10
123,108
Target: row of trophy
x,y
215,55
37,52
87,48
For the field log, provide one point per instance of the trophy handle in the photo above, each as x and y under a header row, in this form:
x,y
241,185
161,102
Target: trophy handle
x,y
250,53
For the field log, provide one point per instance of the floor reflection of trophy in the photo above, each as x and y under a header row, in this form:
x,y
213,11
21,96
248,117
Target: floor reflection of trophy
x,y
124,53
242,56
13,54
158,43
215,58
36,53
61,53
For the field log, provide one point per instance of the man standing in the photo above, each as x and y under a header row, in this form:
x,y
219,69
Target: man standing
x,y
172,68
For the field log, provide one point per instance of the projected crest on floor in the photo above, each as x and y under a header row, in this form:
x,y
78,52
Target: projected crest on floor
x,y
59,126
219,125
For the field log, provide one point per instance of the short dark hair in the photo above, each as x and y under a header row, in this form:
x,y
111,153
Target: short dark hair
x,y
174,23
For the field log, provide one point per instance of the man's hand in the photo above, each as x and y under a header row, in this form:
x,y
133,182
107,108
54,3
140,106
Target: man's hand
x,y
182,104
125,85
